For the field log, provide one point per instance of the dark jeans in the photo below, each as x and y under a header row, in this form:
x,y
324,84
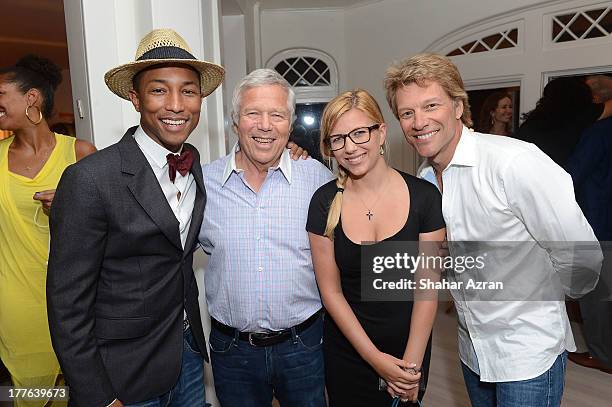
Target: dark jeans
x,y
249,376
189,389
545,390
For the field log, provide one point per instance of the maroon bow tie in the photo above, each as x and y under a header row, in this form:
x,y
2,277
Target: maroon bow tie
x,y
181,163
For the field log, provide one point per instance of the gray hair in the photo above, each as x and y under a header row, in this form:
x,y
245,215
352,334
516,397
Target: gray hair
x,y
262,77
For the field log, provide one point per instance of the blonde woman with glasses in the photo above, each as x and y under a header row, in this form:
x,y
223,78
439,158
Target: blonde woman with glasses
x,y
376,352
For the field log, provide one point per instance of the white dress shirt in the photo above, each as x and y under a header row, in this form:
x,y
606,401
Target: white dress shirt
x,y
184,184
498,189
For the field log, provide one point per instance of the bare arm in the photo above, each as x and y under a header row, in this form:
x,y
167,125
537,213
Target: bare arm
x,y
82,149
425,306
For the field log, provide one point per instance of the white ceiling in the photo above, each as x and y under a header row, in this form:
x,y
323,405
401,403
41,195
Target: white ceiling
x,y
306,4
37,26
33,26
234,7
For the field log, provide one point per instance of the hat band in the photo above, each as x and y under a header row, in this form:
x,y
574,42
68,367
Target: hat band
x,y
166,53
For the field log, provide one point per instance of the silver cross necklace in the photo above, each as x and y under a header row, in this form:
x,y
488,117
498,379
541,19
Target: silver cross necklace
x,y
369,213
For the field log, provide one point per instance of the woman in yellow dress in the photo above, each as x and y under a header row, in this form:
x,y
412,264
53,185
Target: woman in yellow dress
x,y
31,163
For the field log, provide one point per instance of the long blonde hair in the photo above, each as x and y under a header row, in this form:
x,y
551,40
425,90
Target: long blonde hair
x,y
355,99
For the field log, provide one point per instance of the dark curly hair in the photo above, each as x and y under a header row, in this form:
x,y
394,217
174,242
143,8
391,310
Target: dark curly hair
x,y
561,97
34,72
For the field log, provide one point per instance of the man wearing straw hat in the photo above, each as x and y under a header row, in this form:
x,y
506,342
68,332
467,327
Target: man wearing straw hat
x,y
122,297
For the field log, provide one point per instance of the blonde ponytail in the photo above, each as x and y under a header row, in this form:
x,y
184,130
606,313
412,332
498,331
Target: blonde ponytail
x,y
333,216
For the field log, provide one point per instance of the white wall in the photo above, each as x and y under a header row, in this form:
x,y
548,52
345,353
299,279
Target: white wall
x,y
366,38
110,32
323,30
235,63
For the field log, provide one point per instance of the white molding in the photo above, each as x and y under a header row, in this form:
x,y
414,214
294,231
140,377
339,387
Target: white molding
x,y
548,44
357,5
548,75
491,21
257,33
492,28
493,82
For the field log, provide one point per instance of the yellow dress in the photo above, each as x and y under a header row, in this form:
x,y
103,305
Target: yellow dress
x,y
25,343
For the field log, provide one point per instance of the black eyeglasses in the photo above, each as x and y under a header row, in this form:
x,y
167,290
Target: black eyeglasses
x,y
360,135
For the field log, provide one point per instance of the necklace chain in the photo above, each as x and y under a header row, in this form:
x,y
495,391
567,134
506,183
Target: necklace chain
x,y
369,213
43,161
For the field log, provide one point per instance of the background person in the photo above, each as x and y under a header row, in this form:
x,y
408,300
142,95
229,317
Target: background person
x,y
564,111
31,163
590,166
496,114
368,202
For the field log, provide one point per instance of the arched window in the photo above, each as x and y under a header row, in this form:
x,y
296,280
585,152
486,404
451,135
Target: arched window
x,y
312,73
314,77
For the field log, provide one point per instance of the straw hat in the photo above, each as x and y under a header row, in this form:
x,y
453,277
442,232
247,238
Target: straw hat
x,y
159,47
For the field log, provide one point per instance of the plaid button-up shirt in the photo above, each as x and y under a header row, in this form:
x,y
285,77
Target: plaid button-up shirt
x,y
260,274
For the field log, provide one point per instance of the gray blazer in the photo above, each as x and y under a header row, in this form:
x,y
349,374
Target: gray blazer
x,y
118,278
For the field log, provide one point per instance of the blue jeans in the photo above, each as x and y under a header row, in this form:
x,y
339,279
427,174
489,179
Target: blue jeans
x,y
249,376
189,389
545,390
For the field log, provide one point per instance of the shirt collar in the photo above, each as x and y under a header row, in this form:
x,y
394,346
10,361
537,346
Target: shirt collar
x,y
284,165
466,155
156,152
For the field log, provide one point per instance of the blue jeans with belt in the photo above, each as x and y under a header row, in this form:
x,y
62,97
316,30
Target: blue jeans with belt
x,y
545,390
189,389
249,376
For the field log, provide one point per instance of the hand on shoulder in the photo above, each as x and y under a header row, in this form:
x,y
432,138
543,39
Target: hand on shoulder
x,y
83,148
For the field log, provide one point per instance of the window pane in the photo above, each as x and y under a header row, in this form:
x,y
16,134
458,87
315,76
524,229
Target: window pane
x,y
311,76
320,66
606,22
556,29
505,44
565,18
580,25
291,77
455,52
300,66
281,67
513,35
595,33
491,40
479,48
594,14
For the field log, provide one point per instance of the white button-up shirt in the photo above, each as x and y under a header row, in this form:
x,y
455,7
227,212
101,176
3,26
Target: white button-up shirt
x,y
498,189
184,184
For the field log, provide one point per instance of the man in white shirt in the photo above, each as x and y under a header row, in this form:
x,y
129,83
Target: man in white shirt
x,y
497,189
